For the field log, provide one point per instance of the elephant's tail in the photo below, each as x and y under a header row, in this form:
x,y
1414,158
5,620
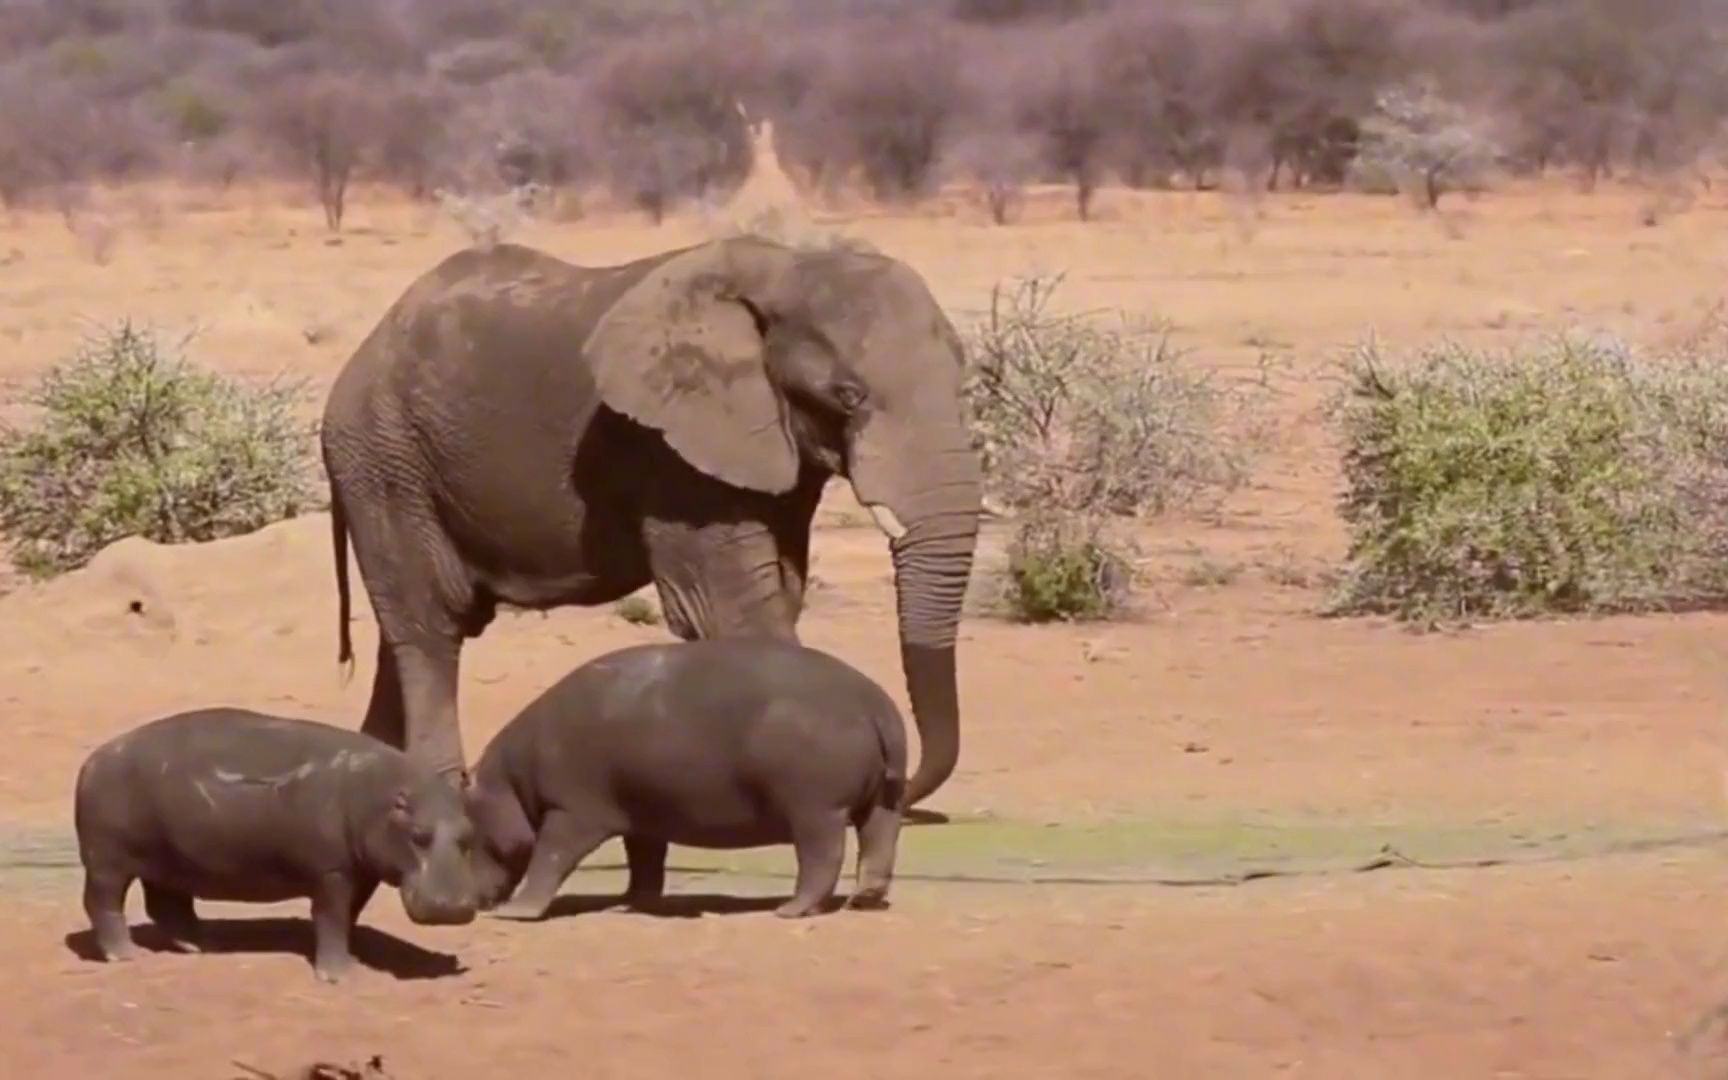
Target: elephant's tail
x,y
344,601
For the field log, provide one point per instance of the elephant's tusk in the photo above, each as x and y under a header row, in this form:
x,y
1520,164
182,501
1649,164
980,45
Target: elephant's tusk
x,y
886,521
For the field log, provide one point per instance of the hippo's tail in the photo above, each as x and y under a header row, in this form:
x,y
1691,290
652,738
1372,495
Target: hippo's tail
x,y
344,600
891,736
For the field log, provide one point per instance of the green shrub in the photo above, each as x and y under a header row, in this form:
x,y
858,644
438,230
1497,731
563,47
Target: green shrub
x,y
637,611
196,116
131,439
1065,567
1577,476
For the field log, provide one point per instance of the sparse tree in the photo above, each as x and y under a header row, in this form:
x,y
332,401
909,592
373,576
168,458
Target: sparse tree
x,y
322,123
414,117
669,118
886,105
997,160
1065,106
1432,144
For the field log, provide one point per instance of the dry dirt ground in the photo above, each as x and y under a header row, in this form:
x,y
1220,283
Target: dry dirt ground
x,y
1224,733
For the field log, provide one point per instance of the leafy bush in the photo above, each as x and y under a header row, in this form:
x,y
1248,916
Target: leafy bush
x,y
1078,414
1575,477
133,440
1067,567
637,611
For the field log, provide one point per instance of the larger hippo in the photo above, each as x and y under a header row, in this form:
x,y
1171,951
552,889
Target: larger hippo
x,y
715,743
230,804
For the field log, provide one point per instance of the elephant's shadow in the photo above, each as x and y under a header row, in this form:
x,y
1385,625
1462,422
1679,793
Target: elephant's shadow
x,y
372,948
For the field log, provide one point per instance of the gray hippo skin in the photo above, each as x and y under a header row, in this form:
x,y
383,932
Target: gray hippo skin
x,y
229,804
716,743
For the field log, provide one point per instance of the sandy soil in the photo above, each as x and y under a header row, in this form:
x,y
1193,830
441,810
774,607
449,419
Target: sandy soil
x,y
1225,706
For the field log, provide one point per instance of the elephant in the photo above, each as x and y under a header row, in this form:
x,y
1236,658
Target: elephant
x,y
523,430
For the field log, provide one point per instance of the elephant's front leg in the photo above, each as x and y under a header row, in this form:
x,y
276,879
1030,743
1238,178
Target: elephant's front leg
x,y
722,579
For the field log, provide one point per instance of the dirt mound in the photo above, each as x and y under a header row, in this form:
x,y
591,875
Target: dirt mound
x,y
156,598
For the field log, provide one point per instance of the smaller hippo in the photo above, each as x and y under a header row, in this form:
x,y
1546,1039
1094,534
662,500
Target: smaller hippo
x,y
715,743
230,804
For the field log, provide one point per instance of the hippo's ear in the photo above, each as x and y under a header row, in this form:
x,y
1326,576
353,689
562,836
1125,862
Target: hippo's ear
x,y
399,805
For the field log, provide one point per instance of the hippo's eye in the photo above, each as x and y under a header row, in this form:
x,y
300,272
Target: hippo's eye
x,y
421,837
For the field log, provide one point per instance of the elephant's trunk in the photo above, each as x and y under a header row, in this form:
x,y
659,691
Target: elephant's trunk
x,y
932,563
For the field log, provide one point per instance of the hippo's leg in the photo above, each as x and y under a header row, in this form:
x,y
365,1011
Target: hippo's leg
x,y
878,837
174,915
332,919
647,858
363,890
820,840
105,904
561,844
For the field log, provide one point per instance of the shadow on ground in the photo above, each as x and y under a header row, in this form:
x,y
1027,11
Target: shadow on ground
x,y
673,906
374,948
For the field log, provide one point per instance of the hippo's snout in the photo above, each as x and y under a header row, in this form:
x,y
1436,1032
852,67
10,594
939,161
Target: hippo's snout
x,y
440,892
428,909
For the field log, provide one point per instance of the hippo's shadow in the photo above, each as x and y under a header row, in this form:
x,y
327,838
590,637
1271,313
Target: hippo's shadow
x,y
672,905
919,816
371,947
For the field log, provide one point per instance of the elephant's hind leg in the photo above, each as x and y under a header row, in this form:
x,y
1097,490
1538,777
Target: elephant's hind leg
x,y
427,668
424,601
386,720
413,706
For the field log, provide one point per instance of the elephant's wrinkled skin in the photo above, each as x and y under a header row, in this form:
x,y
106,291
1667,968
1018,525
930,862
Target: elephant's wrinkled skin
x,y
230,804
521,430
725,743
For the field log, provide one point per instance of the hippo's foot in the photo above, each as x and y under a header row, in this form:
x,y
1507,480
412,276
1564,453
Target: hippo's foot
x,y
117,950
868,900
181,942
821,846
332,919
797,908
520,910
175,918
105,907
332,968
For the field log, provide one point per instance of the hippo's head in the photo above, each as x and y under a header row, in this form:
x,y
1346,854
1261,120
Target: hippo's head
x,y
422,846
503,840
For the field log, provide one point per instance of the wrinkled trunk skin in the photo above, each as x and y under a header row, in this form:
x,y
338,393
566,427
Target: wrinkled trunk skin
x,y
932,563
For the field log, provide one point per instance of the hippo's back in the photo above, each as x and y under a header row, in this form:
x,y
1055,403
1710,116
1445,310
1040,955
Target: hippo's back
x,y
231,740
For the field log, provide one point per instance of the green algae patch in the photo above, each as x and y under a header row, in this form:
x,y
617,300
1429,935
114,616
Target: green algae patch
x,y
1187,851
1145,851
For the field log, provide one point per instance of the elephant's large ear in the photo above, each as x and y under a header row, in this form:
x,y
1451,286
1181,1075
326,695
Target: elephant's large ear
x,y
680,352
